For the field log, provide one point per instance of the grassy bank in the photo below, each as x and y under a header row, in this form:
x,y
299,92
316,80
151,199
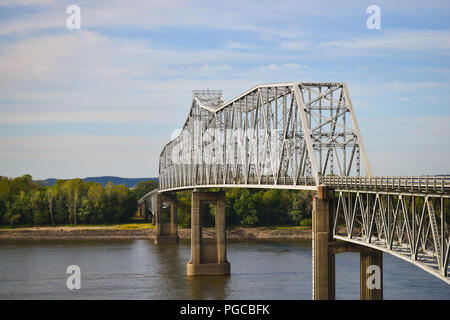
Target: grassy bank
x,y
144,231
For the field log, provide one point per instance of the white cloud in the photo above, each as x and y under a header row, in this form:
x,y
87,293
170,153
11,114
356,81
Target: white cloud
x,y
58,76
398,40
239,45
296,45
390,88
87,77
128,115
15,3
363,68
153,15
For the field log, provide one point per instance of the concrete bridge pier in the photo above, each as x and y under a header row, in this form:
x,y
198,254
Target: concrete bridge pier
x,y
143,210
208,259
371,288
166,232
153,219
325,249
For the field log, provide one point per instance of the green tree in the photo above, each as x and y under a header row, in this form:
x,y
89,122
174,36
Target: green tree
x,y
19,210
232,195
108,209
23,183
38,204
85,210
144,187
121,205
245,207
5,195
96,198
184,209
51,193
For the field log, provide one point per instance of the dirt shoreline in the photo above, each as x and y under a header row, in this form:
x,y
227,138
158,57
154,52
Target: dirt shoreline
x,y
114,233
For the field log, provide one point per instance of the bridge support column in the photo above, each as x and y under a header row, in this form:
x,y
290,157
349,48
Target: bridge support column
x,y
153,219
323,259
166,232
143,210
325,249
371,274
208,259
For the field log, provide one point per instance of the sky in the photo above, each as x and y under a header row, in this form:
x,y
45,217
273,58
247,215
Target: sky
x,y
104,99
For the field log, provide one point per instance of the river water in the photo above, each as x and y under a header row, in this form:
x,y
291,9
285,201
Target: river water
x,y
138,269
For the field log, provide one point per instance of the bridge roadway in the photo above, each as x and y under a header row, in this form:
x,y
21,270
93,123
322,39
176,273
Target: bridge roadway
x,y
300,136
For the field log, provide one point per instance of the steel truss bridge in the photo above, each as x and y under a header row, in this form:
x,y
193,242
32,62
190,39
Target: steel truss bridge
x,y
301,136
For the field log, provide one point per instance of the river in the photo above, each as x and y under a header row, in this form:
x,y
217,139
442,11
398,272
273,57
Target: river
x,y
138,269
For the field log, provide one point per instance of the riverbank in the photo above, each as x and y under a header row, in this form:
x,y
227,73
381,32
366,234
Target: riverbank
x,y
126,232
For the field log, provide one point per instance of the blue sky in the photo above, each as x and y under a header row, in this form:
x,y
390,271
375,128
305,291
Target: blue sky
x,y
103,100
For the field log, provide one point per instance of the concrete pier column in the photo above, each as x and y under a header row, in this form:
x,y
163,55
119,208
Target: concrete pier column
x,y
371,274
196,229
153,218
143,209
166,232
173,217
208,259
158,215
323,259
221,241
325,249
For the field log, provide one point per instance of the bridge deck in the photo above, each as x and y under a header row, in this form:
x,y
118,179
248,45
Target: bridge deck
x,y
420,184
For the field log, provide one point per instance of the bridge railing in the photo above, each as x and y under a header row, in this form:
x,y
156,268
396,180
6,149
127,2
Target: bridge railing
x,y
182,177
439,184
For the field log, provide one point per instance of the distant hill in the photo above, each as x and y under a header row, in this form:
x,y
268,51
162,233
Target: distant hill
x,y
128,182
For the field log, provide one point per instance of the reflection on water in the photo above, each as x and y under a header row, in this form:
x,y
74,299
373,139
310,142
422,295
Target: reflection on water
x,y
208,288
138,269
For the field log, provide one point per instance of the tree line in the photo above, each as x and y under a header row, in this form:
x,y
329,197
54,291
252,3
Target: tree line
x,y
254,207
25,202
75,202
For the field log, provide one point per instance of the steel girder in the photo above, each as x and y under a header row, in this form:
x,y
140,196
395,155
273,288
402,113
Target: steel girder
x,y
408,225
286,135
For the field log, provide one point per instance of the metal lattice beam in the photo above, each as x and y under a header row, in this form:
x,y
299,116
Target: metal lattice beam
x,y
288,134
410,226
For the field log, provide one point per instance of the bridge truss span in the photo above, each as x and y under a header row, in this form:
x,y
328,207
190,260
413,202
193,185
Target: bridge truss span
x,y
288,134
412,226
305,136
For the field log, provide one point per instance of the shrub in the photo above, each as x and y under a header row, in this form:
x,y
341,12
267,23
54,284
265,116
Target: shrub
x,y
306,223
